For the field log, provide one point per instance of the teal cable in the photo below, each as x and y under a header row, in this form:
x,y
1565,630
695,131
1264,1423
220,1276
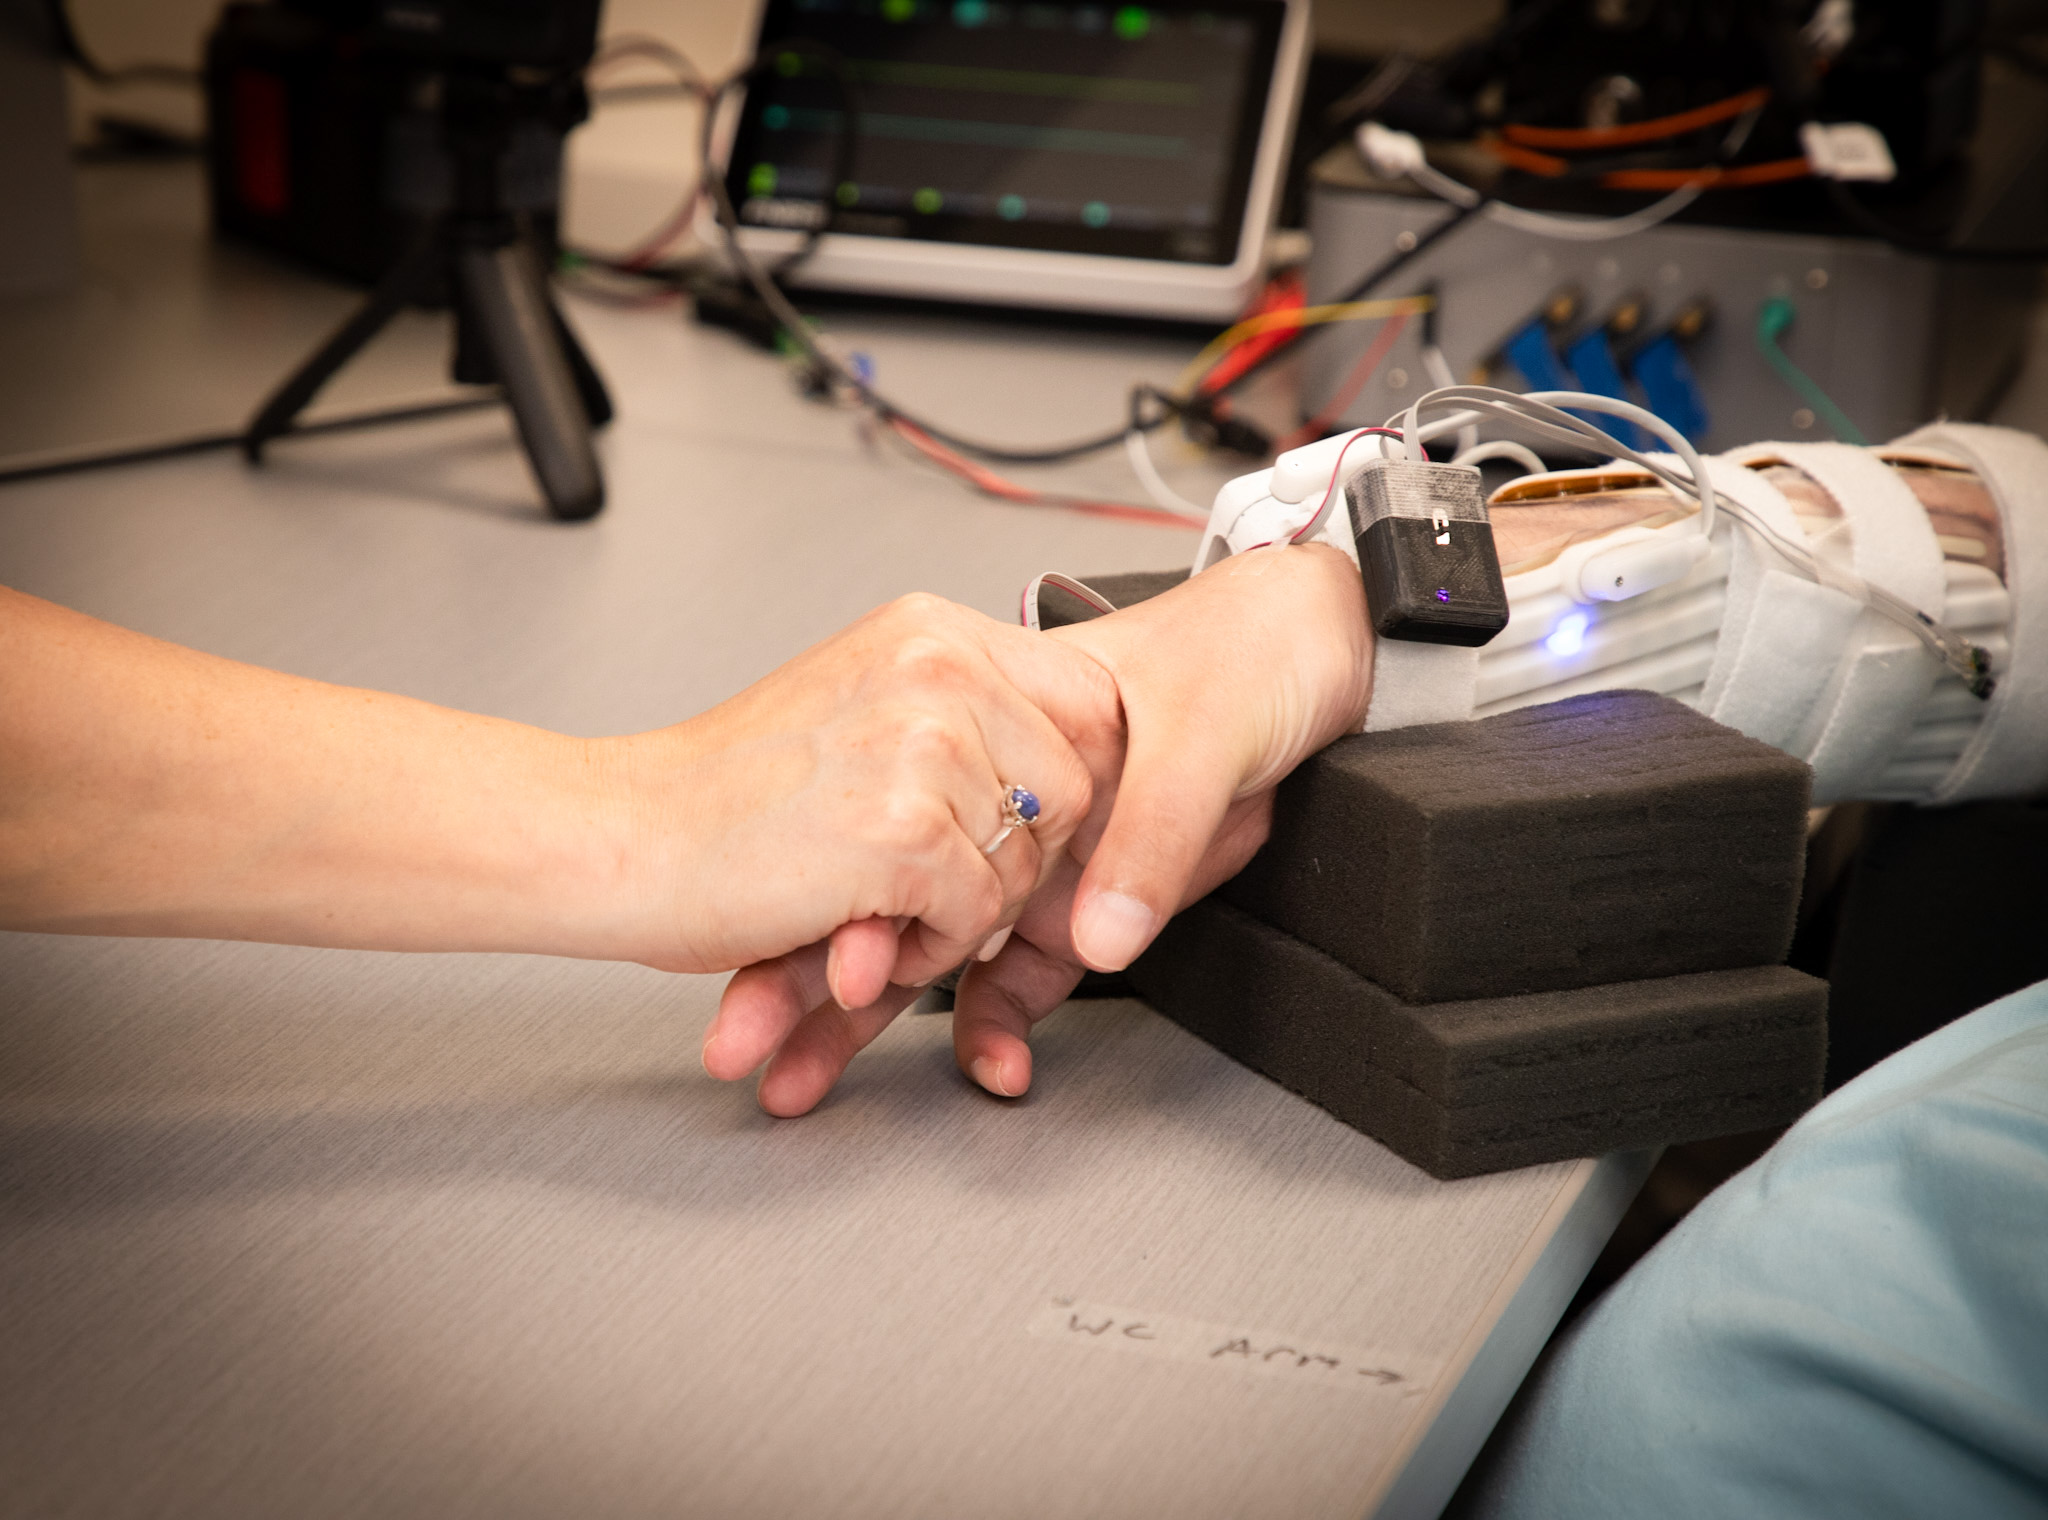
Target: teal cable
x,y
1771,323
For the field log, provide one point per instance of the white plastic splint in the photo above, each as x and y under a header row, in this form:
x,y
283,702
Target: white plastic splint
x,y
1732,628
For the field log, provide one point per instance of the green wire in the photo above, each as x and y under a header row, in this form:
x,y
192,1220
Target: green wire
x,y
1771,323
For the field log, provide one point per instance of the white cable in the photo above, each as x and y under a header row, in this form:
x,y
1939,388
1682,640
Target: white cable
x,y
1154,483
1438,368
1307,530
1570,228
1578,231
1538,414
1500,448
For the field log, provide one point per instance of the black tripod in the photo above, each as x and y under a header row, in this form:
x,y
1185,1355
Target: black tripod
x,y
508,330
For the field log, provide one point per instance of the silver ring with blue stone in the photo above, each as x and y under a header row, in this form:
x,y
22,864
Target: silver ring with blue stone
x,y
1020,811
1020,807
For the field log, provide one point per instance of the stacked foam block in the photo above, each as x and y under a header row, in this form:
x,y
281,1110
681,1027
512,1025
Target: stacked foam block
x,y
1551,933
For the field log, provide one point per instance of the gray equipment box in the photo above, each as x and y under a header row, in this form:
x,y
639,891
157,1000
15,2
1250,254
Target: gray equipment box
x,y
1894,338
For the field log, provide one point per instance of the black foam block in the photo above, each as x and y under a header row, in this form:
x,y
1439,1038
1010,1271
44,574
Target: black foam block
x,y
1605,838
1057,608
1487,1084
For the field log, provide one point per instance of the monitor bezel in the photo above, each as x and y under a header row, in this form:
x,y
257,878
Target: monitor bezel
x,y
981,273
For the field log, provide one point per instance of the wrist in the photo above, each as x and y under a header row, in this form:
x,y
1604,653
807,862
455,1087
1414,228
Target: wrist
x,y
1261,659
648,798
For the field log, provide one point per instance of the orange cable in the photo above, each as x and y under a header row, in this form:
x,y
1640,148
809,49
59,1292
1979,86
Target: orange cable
x,y
1709,178
1654,130
1522,158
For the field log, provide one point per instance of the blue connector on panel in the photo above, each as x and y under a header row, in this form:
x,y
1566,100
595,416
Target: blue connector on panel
x,y
1530,351
1592,359
1663,368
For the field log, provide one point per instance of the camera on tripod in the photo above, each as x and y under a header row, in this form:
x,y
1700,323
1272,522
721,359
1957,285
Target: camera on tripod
x,y
418,144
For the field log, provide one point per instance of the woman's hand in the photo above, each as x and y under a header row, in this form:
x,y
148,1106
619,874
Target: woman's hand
x,y
1226,684
858,788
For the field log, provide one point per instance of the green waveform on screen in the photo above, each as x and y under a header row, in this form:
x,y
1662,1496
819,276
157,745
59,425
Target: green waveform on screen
x,y
984,134
951,76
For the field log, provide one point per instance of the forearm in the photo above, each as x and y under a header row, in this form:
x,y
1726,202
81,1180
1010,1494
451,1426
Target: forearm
x,y
149,789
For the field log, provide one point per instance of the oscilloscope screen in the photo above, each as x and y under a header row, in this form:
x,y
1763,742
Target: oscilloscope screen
x,y
1114,129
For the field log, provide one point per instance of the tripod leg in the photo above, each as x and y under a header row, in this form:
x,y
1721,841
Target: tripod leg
x,y
515,320
597,401
398,286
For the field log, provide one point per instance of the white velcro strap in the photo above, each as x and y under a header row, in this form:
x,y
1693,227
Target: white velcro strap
x,y
1411,683
1781,634
2008,757
1885,674
1892,541
1420,683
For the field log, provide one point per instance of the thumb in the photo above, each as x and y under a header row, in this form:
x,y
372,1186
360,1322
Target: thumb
x,y
1170,802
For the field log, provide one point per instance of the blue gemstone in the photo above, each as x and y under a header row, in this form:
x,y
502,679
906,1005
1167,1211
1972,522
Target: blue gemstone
x,y
1025,804
1443,593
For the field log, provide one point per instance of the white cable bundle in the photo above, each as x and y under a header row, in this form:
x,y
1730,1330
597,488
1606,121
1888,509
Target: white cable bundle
x,y
1854,644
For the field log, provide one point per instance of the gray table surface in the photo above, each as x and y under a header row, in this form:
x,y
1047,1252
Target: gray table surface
x,y
310,1232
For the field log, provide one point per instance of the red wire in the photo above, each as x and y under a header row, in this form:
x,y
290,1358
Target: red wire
x,y
1336,470
992,484
1375,353
1286,291
654,244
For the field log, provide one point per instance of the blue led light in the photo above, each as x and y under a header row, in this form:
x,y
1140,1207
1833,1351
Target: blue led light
x,y
1568,637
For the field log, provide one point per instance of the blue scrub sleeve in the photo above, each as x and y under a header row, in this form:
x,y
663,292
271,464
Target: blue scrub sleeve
x,y
1856,1326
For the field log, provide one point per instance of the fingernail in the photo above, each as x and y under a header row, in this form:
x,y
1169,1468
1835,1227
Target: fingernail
x,y
704,1055
832,973
1111,928
989,1073
993,945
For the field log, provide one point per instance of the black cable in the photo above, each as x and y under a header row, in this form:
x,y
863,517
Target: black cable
x,y
206,443
845,138
1202,408
791,321
785,313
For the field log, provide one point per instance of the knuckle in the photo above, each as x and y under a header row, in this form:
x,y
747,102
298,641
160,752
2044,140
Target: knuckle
x,y
926,740
912,823
926,658
917,613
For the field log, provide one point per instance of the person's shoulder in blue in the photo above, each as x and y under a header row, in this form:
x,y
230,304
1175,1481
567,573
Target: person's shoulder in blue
x,y
1856,1326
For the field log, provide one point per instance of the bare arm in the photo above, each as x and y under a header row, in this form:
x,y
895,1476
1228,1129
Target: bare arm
x,y
151,789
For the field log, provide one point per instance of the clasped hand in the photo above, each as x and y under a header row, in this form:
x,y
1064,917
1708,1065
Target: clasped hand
x,y
1153,738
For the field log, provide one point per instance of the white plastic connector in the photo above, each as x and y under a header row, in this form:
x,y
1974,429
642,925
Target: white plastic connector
x,y
1303,474
1848,150
1390,154
1629,563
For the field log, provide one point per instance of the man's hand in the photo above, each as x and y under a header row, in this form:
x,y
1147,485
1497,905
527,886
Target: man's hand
x,y
1226,683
